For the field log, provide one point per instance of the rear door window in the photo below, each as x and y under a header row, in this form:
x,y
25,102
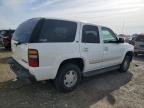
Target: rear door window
x,y
57,31
24,31
90,34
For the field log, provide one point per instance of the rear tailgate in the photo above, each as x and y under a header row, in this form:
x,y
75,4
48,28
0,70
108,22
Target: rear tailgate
x,y
20,40
20,53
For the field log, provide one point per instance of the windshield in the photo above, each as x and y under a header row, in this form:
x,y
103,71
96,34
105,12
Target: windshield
x,y
24,31
140,38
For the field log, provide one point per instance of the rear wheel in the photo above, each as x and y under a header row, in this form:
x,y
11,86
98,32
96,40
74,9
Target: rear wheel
x,y
68,78
125,64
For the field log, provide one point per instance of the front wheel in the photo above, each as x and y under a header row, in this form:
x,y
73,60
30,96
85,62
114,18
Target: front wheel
x,y
125,64
68,78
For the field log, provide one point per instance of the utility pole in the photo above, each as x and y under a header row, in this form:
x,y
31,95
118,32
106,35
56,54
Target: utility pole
x,y
123,25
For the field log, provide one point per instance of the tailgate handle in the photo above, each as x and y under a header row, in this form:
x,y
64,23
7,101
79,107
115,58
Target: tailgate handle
x,y
19,43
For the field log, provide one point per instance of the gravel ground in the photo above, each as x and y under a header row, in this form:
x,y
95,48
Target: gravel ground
x,y
108,90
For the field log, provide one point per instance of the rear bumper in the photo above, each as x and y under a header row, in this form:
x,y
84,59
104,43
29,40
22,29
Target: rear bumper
x,y
21,72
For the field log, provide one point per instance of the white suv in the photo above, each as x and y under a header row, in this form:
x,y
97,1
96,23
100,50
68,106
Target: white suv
x,y
65,51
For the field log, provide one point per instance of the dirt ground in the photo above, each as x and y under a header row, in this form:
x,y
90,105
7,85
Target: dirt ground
x,y
108,90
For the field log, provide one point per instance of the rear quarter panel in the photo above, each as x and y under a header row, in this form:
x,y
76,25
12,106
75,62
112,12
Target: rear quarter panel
x,y
51,55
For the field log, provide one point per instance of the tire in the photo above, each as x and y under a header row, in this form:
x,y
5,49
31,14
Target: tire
x,y
125,64
68,78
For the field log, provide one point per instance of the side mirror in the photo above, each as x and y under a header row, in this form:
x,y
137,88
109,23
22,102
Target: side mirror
x,y
121,40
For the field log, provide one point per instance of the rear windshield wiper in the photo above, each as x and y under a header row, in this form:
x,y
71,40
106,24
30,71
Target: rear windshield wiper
x,y
19,43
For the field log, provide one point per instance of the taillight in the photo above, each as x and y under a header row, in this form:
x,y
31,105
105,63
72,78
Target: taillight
x,y
33,58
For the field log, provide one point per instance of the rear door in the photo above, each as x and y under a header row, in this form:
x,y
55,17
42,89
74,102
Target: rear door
x,y
91,47
20,40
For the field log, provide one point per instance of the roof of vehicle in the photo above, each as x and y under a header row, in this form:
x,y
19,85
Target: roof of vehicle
x,y
77,21
7,30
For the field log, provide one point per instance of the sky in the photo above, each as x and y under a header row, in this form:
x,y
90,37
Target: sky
x,y
123,16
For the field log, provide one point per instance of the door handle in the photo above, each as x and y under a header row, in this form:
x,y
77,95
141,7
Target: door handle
x,y
85,49
105,48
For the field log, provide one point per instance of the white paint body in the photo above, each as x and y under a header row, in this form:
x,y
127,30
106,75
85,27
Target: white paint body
x,y
51,55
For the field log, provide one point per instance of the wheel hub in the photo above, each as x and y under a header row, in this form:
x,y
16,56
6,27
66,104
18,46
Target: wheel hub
x,y
70,78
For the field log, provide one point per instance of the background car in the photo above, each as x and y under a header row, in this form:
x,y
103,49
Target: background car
x,y
138,43
2,32
0,37
5,38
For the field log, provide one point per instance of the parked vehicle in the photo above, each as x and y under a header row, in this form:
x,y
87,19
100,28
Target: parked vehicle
x,y
0,38
64,51
2,32
138,43
5,38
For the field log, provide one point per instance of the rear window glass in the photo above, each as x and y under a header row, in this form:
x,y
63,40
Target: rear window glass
x,y
57,31
3,33
24,31
140,38
9,32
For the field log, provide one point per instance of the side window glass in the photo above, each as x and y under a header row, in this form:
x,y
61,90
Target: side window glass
x,y
58,31
90,34
108,35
